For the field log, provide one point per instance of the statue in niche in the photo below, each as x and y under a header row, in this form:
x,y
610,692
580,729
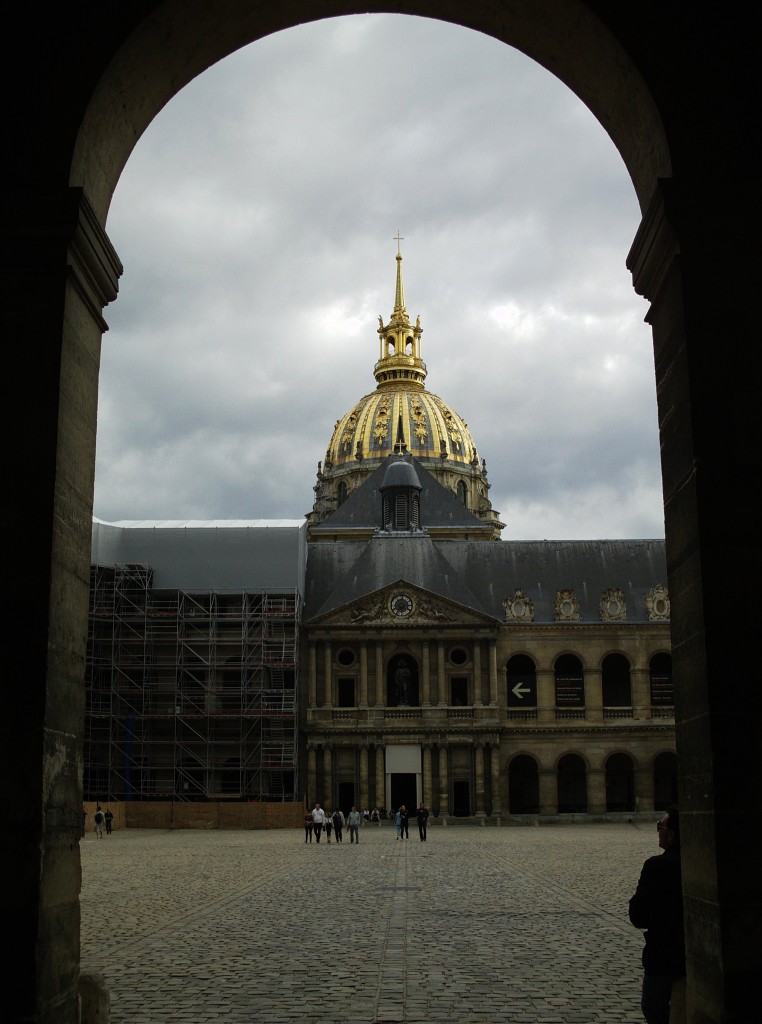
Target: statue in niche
x,y
402,679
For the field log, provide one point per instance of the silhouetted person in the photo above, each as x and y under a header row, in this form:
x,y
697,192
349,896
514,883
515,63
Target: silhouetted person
x,y
657,906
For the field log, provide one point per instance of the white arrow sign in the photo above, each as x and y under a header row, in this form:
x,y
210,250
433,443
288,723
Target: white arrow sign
x,y
520,690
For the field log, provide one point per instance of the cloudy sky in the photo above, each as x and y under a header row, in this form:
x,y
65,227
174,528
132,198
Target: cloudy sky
x,y
255,221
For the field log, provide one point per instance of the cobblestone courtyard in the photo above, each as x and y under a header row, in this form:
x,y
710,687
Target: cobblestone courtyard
x,y
526,925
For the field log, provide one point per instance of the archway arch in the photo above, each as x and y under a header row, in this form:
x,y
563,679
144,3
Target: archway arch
x,y
76,128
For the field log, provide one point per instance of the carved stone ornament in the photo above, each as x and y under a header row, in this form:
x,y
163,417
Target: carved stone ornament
x,y
519,608
428,610
567,606
371,611
613,605
657,603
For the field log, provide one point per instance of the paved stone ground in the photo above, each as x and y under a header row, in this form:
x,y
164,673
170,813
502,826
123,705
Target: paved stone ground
x,y
523,925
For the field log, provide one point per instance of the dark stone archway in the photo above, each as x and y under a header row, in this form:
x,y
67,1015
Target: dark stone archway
x,y
677,92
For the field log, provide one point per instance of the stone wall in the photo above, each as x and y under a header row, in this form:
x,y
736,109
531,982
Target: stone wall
x,y
208,815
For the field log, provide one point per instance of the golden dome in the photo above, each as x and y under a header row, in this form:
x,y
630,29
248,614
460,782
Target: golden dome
x,y
402,416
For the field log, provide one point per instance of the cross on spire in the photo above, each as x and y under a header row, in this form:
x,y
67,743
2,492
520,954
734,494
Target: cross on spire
x,y
398,238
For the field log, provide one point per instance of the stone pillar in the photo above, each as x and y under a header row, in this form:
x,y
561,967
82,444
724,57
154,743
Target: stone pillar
x,y
548,791
441,675
546,695
593,695
477,672
328,796
640,679
363,675
425,674
380,778
60,272
380,681
479,779
328,675
493,673
312,796
495,766
312,692
444,787
364,796
427,790
596,790
644,789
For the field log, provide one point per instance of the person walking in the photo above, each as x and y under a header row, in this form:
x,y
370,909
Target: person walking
x,y
398,821
109,817
422,817
404,818
318,818
354,825
99,819
657,906
308,826
328,825
338,826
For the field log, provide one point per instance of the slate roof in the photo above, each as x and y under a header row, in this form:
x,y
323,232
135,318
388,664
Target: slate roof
x,y
478,574
362,509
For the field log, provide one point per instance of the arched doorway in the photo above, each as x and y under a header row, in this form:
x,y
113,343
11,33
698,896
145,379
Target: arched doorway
x,y
620,783
572,785
109,82
523,785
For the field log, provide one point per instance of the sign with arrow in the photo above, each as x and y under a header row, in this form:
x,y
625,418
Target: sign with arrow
x,y
522,691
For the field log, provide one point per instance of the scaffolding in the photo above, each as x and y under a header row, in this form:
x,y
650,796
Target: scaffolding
x,y
189,696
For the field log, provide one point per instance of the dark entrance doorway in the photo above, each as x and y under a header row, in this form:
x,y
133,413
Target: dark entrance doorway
x,y
403,791
461,798
347,797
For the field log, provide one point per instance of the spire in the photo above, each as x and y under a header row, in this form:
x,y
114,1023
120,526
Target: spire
x,y
399,291
400,342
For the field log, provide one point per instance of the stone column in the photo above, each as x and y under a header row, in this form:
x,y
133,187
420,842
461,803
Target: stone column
x,y
493,673
477,698
328,797
441,675
328,675
311,776
495,765
364,797
425,674
363,675
312,693
444,788
427,790
644,789
593,695
380,681
640,680
479,777
596,791
546,695
548,791
380,778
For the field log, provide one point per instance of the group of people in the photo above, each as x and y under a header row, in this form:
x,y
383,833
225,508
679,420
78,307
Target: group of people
x,y
101,819
402,818
318,821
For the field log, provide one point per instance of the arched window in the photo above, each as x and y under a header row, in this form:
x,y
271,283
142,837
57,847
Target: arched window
x,y
660,669
665,780
523,786
620,783
462,493
570,682
572,785
341,492
615,679
522,682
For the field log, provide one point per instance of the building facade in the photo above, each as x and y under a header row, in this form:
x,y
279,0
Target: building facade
x,y
390,649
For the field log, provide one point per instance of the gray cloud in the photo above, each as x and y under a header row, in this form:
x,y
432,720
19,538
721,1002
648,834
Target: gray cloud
x,y
255,221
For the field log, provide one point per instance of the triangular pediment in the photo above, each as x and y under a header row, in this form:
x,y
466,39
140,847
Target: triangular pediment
x,y
402,605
